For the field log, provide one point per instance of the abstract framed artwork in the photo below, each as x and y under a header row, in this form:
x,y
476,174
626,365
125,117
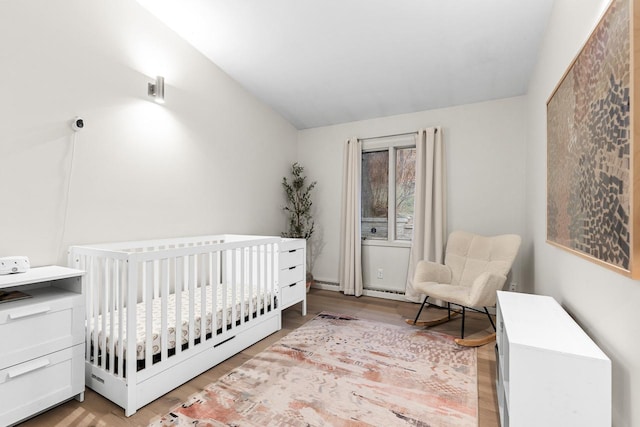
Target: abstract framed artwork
x,y
593,167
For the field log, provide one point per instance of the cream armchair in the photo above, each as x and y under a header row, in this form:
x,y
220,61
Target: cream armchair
x,y
475,268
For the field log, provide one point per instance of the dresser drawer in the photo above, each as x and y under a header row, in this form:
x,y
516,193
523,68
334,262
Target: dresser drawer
x,y
291,275
290,244
291,258
293,293
49,321
32,386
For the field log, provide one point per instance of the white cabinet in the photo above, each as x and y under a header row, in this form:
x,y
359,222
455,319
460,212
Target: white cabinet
x,y
42,342
292,275
550,373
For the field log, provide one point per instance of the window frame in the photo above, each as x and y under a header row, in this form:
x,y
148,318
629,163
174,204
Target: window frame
x,y
390,144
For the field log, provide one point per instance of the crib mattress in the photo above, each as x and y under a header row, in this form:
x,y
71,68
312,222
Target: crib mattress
x,y
255,296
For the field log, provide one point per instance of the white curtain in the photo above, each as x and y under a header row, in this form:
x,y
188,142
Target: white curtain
x,y
430,210
350,244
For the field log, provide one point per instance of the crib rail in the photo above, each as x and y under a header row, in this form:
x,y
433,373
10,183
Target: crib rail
x,y
152,300
158,244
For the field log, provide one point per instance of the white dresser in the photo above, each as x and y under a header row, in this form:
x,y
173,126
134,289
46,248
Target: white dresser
x,y
293,273
41,342
550,373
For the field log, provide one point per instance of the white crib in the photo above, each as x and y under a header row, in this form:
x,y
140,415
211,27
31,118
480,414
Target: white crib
x,y
180,306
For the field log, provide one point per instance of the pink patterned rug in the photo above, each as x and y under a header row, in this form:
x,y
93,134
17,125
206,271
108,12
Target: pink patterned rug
x,y
341,371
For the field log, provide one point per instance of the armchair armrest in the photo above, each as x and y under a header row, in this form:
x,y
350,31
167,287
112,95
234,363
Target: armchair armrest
x,y
427,271
484,288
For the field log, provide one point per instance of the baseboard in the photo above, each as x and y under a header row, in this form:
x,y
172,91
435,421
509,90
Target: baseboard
x,y
390,295
327,286
395,296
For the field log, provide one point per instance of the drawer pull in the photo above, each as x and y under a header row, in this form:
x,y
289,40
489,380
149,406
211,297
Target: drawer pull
x,y
30,367
223,342
292,268
97,378
27,313
292,285
292,250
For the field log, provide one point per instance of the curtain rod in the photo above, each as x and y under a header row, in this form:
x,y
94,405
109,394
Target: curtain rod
x,y
391,136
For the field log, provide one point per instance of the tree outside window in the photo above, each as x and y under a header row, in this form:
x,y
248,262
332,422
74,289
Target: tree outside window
x,y
405,190
375,194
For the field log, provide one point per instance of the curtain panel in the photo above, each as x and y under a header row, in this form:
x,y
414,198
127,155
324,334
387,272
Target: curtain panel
x,y
350,274
430,209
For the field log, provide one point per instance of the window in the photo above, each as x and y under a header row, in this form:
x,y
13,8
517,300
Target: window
x,y
375,194
388,186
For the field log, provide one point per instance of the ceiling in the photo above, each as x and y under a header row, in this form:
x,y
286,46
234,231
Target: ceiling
x,y
325,62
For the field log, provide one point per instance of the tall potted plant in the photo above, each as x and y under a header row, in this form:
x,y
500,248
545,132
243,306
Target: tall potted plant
x,y
298,208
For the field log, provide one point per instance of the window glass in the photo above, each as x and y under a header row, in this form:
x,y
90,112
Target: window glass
x,y
375,194
405,189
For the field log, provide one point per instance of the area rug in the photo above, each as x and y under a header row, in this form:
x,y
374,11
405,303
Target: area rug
x,y
337,370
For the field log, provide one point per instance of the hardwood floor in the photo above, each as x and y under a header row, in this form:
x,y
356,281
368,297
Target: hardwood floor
x,y
98,411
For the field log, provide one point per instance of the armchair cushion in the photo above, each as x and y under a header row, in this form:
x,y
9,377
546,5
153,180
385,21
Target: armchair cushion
x,y
427,271
448,293
483,291
469,255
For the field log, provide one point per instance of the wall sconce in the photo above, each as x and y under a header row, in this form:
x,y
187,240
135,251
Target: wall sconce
x,y
156,90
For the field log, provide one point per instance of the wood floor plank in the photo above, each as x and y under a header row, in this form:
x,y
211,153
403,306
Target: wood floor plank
x,y
98,411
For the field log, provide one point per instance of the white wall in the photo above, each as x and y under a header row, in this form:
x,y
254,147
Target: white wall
x,y
210,160
604,303
485,146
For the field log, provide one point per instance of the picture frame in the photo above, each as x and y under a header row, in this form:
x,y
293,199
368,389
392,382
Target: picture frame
x,y
593,164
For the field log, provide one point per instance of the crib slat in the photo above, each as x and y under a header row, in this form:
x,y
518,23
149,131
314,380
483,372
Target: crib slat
x,y
274,271
214,279
250,279
95,312
267,290
243,295
266,278
103,310
192,294
164,296
234,285
148,307
272,259
224,281
156,275
258,279
122,297
203,296
130,330
179,267
113,285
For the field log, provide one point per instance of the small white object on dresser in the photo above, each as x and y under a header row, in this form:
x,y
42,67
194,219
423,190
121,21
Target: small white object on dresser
x,y
41,342
293,273
549,372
